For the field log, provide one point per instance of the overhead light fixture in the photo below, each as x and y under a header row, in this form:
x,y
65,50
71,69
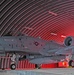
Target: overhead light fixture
x,y
54,34
63,36
28,28
52,13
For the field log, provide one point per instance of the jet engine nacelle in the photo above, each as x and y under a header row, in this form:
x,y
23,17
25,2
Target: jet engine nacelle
x,y
69,41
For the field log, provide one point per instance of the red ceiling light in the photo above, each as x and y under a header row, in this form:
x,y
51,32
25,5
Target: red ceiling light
x,y
63,36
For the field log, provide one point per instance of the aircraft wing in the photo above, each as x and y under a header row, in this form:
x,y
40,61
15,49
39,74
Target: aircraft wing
x,y
43,60
66,50
60,50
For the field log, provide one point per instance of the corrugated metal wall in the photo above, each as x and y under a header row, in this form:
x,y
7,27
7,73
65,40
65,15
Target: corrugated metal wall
x,y
5,64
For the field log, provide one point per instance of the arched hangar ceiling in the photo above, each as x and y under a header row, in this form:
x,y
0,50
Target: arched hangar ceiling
x,y
49,19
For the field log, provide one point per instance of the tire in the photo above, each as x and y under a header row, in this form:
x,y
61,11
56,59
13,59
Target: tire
x,y
13,66
37,66
71,63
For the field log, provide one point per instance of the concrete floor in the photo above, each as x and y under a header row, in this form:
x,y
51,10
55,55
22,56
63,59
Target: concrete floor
x,y
52,71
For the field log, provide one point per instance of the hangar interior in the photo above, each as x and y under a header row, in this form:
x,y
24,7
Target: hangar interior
x,y
47,19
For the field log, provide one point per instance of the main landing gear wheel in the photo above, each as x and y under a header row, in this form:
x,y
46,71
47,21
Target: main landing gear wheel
x,y
13,66
37,66
71,63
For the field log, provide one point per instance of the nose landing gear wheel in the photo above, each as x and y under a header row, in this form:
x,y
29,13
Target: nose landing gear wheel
x,y
37,66
13,66
71,63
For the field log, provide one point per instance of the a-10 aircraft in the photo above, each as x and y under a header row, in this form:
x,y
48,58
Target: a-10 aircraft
x,y
36,50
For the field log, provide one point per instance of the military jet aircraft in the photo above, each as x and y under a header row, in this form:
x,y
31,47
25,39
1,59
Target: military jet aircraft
x,y
36,50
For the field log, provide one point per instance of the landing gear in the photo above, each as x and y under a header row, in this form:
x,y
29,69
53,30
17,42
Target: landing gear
x,y
71,63
13,66
37,66
14,61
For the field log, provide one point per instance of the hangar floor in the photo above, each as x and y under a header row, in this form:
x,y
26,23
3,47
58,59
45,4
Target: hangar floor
x,y
53,71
